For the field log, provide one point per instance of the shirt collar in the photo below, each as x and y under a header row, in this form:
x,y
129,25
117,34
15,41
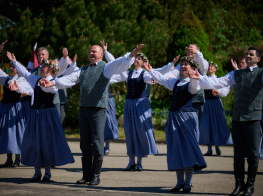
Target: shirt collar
x,y
49,78
213,76
138,71
186,79
251,68
94,63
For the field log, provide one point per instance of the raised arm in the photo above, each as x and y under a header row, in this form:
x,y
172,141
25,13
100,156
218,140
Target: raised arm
x,y
63,63
203,64
2,45
73,66
30,78
109,57
169,67
119,77
20,86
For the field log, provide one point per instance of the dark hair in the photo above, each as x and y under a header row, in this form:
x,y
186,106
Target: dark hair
x,y
198,48
56,58
258,52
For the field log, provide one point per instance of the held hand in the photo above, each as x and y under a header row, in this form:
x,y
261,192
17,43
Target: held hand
x,y
104,45
153,81
23,94
65,53
11,56
2,45
234,64
176,59
215,92
13,86
75,58
148,67
194,74
136,50
46,83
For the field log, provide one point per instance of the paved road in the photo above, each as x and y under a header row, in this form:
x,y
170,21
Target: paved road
x,y
216,179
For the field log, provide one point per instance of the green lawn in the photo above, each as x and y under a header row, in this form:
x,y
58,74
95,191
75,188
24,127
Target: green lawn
x,y
74,133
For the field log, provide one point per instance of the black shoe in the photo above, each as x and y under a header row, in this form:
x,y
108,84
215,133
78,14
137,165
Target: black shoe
x,y
82,181
35,178
8,164
188,190
16,163
139,168
209,153
218,152
249,189
129,167
46,179
177,188
240,186
95,180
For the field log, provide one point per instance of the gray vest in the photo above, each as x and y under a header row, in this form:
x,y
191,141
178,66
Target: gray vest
x,y
199,96
62,96
248,95
36,72
93,86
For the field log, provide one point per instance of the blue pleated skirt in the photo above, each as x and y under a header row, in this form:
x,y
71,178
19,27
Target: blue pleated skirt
x,y
13,118
213,125
44,142
111,127
138,127
182,134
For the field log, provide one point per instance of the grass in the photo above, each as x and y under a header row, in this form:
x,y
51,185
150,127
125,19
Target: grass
x,y
74,133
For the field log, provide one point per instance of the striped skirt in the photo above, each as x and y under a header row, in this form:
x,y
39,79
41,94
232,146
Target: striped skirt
x,y
111,126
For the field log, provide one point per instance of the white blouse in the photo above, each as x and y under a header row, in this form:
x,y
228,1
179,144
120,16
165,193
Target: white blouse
x,y
118,66
21,82
169,82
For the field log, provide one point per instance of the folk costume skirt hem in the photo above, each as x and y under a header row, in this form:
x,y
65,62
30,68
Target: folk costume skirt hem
x,y
111,127
182,134
44,142
140,140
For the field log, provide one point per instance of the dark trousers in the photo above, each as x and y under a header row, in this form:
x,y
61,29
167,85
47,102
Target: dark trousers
x,y
246,138
199,106
63,110
58,108
91,126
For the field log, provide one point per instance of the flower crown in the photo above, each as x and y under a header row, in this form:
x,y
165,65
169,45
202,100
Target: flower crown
x,y
213,63
189,60
51,64
143,57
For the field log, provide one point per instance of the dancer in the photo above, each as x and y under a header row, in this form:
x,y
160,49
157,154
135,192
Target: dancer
x,y
14,110
181,129
213,126
94,80
246,116
44,142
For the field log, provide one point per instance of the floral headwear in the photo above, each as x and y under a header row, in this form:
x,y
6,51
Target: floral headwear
x,y
51,64
140,54
213,63
189,60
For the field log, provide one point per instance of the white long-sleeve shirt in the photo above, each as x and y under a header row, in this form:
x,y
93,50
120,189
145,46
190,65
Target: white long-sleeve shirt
x,y
169,82
21,82
32,79
73,67
117,66
224,91
217,83
199,58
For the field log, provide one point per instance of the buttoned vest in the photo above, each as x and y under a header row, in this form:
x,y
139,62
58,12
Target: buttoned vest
x,y
93,86
36,72
136,87
248,95
182,99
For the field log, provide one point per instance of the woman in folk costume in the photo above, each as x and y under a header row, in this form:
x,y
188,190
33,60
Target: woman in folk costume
x,y
14,110
213,127
182,132
44,142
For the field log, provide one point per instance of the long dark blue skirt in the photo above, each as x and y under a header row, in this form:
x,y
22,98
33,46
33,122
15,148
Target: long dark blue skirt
x,y
44,142
213,126
111,127
182,134
12,126
138,127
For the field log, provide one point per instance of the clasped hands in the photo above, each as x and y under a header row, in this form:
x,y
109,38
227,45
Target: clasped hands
x,y
14,87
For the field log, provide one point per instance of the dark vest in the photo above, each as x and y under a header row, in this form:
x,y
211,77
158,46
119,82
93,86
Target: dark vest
x,y
10,96
110,95
209,95
136,87
94,86
182,99
248,94
42,99
36,72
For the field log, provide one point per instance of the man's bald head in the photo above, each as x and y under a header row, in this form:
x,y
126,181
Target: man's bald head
x,y
95,54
